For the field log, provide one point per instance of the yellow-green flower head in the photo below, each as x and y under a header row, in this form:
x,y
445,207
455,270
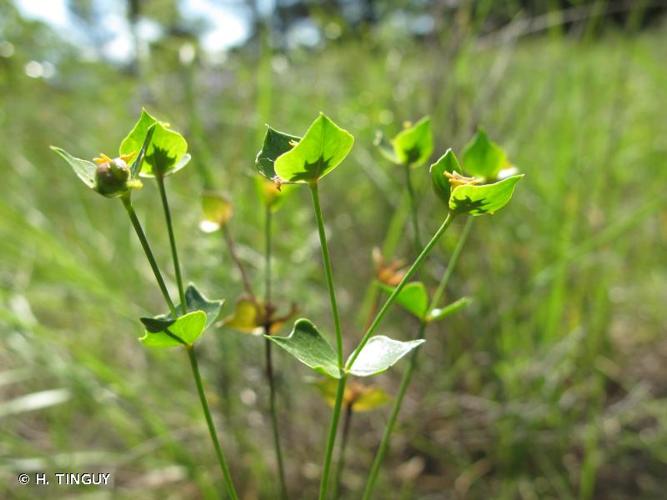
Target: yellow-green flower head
x,y
113,176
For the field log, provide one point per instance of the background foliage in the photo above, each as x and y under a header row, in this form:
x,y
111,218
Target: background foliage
x,y
551,385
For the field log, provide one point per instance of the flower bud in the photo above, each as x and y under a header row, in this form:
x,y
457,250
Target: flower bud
x,y
113,176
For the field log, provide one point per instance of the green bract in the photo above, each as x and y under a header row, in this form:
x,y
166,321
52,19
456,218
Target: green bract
x,y
485,199
440,182
414,145
413,297
483,157
380,354
183,331
482,193
112,177
308,345
323,147
275,144
167,152
195,302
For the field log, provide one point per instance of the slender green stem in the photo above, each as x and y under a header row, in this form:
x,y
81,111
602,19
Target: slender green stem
x,y
407,375
408,275
347,421
127,203
439,292
229,484
414,213
328,271
269,361
172,241
333,427
331,438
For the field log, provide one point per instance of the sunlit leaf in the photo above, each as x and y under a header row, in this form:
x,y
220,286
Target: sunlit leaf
x,y
381,353
167,152
413,297
483,157
485,199
307,345
248,317
275,144
84,169
440,313
217,211
184,331
196,301
414,145
323,147
440,182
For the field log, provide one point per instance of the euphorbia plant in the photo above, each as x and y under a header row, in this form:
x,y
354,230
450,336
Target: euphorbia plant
x,y
158,152
483,185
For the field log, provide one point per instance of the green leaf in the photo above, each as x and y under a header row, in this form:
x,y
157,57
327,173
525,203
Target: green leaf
x,y
196,301
441,313
84,169
413,297
486,199
483,158
414,145
323,147
385,148
157,324
446,163
187,328
167,152
275,144
380,354
307,345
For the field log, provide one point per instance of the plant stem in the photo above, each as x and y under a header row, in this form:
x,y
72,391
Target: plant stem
x,y
408,275
333,427
413,206
127,203
232,252
172,241
328,271
347,420
331,438
407,375
229,484
269,361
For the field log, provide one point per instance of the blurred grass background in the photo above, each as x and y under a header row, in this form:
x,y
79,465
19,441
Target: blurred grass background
x,y
552,385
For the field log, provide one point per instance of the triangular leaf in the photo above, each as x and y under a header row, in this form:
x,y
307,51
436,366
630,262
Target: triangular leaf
x,y
440,313
167,152
414,145
413,297
485,199
483,157
275,144
381,353
84,169
157,324
196,301
323,147
308,345
187,328
446,163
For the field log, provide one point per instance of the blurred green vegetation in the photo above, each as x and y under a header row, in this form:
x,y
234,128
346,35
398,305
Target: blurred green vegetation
x,y
552,385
